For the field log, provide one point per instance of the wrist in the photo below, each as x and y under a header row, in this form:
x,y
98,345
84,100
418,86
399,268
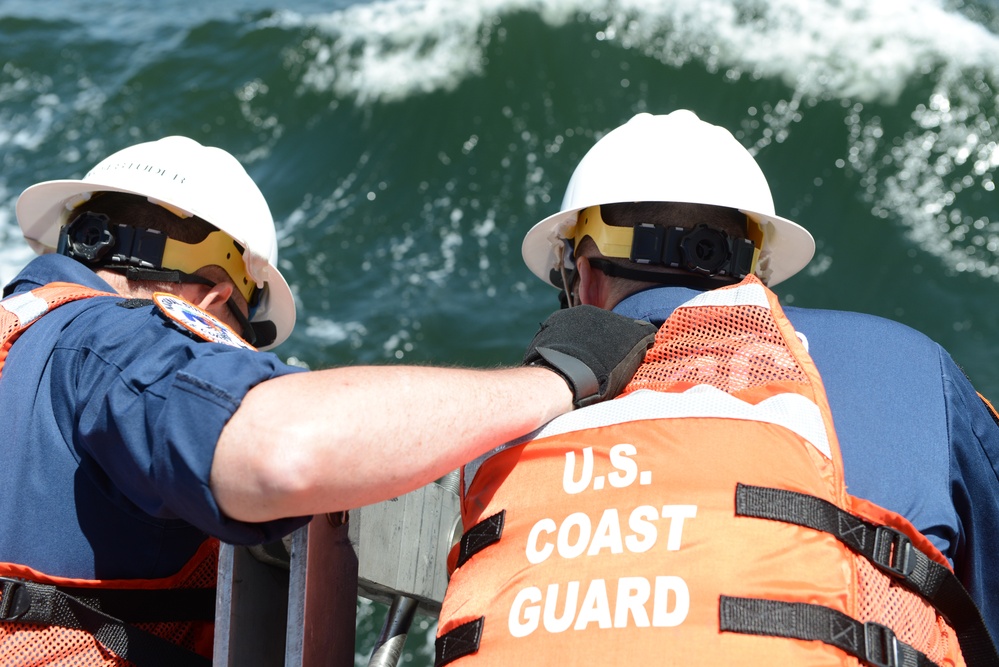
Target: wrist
x,y
557,391
578,377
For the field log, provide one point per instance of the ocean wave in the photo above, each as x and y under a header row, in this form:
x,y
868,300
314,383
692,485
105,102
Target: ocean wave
x,y
853,49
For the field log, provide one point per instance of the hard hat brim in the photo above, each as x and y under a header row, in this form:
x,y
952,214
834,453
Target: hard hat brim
x,y
41,208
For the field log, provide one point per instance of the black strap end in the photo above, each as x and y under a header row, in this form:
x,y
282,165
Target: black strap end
x,y
458,642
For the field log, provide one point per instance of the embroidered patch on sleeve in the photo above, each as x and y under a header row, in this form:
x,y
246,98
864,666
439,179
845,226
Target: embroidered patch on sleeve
x,y
197,321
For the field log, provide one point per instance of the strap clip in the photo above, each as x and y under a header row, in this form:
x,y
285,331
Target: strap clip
x,y
702,250
647,244
893,552
15,599
880,646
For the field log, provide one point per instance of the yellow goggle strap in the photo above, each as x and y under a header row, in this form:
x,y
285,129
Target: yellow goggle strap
x,y
217,248
94,240
613,241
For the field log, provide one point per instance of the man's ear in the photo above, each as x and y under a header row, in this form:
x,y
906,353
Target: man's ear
x,y
592,284
216,297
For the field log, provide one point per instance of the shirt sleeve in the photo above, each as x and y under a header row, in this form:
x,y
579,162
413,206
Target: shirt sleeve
x,y
974,474
152,403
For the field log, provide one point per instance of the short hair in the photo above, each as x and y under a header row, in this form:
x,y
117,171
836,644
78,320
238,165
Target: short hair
x,y
123,208
675,214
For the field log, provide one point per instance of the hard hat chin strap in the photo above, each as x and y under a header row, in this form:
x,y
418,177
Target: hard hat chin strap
x,y
678,278
564,275
248,330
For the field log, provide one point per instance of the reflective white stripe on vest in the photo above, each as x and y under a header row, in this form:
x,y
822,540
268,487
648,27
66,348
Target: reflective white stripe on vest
x,y
26,307
745,295
791,411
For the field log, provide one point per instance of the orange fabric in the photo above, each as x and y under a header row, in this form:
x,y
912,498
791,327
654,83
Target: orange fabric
x,y
30,644
54,295
620,538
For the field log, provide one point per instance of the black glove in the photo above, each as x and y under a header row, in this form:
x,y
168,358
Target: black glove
x,y
595,350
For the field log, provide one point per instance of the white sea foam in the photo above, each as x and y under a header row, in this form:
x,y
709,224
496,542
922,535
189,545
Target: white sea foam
x,y
391,49
853,49
329,332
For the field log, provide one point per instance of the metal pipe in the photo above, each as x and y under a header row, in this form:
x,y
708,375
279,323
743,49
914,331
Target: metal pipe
x,y
388,648
451,482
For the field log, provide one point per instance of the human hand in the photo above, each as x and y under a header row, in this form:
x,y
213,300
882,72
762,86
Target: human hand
x,y
596,351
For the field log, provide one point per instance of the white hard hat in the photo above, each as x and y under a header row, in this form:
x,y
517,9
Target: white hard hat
x,y
179,174
673,158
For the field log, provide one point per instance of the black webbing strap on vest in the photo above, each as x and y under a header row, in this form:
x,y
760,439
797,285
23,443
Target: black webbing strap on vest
x,y
458,642
149,605
890,551
872,643
481,535
47,605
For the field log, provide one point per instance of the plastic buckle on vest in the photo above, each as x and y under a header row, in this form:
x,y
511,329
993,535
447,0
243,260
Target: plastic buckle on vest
x,y
893,552
880,646
15,599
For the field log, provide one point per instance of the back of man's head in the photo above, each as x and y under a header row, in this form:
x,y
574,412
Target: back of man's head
x,y
625,277
675,214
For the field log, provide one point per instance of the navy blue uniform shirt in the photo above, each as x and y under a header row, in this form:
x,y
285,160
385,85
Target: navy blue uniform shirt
x,y
914,435
109,418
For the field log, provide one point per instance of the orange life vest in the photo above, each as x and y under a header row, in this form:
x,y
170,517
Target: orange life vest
x,y
700,519
57,621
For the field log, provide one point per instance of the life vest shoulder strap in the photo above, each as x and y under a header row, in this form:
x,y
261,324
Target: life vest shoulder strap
x,y
21,310
458,642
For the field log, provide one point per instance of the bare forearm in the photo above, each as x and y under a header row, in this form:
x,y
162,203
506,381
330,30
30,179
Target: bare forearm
x,y
331,440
